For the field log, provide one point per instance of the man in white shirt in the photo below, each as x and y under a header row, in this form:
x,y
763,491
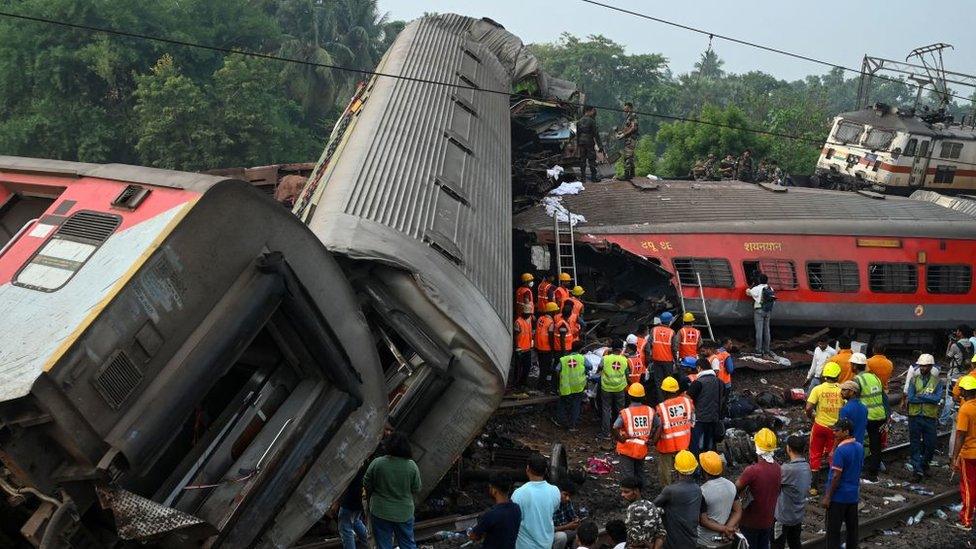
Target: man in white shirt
x,y
760,315
820,355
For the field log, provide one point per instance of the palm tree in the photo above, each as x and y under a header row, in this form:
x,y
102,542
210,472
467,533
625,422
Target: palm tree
x,y
315,88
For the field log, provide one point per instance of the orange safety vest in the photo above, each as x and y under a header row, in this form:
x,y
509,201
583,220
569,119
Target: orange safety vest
x,y
543,329
661,350
688,339
637,369
723,375
560,324
676,423
560,295
543,296
523,334
577,305
637,424
523,297
641,351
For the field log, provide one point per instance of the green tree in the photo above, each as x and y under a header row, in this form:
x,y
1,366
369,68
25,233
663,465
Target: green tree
x,y
684,142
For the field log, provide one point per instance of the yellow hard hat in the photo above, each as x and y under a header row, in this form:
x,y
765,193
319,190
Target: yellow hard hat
x,y
551,307
578,291
670,385
564,277
973,359
685,462
967,383
527,277
711,462
831,369
688,317
765,440
636,390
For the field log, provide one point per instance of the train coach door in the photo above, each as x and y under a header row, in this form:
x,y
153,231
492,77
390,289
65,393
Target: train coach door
x,y
920,164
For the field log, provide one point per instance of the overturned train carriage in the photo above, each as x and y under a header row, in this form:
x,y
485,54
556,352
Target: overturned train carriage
x,y
186,363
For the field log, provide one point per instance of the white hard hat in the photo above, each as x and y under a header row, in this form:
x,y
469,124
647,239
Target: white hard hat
x,y
858,358
924,359
631,339
657,321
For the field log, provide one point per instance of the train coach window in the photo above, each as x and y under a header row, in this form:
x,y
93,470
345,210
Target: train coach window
x,y
781,272
944,174
848,132
714,272
893,278
948,279
911,147
833,276
950,149
878,139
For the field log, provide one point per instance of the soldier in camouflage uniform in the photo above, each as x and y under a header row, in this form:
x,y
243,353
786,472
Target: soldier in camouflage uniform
x,y
727,167
629,135
588,137
711,167
698,170
645,524
743,170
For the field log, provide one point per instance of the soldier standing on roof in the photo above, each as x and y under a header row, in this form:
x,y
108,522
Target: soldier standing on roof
x,y
588,137
727,167
629,135
743,171
711,167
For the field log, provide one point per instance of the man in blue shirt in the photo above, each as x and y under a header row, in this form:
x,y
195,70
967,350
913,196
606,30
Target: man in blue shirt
x,y
499,526
925,392
843,486
854,409
538,500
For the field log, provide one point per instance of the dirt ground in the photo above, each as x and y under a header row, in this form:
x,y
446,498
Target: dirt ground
x,y
531,427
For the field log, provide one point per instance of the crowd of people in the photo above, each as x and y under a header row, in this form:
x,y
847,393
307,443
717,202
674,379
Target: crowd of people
x,y
739,168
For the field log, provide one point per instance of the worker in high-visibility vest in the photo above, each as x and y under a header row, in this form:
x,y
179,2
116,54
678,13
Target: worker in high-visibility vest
x,y
561,293
564,334
545,343
637,370
572,309
572,383
875,399
523,294
543,293
925,393
662,356
522,357
633,429
688,338
677,414
613,384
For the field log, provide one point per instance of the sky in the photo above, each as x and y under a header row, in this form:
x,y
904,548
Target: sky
x,y
840,33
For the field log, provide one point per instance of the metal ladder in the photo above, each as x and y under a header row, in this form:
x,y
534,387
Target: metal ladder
x,y
691,305
565,244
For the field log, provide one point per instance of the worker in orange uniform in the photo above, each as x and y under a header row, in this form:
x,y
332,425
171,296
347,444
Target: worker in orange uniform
x,y
523,294
880,365
957,388
843,359
561,293
688,338
632,430
545,343
543,293
635,364
562,343
823,407
522,357
677,415
662,357
576,312
964,452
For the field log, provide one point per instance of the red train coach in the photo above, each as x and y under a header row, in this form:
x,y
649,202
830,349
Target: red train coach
x,y
839,259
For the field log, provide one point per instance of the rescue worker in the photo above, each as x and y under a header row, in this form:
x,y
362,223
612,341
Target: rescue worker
x,y
874,397
588,142
613,383
956,389
727,167
743,169
681,502
662,355
924,396
542,295
574,313
563,341
523,294
632,430
763,479
629,135
522,357
880,365
635,365
843,359
677,416
545,342
964,451
722,363
689,337
561,292
572,383
823,407
706,394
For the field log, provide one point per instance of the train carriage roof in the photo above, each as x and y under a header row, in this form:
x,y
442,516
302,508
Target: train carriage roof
x,y
116,172
619,207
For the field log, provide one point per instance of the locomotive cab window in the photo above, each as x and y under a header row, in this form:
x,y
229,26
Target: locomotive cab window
x,y
944,174
893,278
714,272
948,279
950,149
781,272
848,132
833,276
877,139
911,147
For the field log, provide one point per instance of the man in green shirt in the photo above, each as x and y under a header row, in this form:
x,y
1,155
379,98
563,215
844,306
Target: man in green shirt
x,y
572,383
613,383
391,482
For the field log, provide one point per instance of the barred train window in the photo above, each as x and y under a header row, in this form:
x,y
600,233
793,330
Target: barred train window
x,y
848,132
893,278
948,279
950,149
781,273
944,174
714,272
833,276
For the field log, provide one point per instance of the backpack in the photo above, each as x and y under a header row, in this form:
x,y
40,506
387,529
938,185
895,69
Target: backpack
x,y
966,352
768,299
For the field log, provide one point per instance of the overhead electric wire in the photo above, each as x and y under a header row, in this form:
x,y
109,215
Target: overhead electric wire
x,y
365,72
757,45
